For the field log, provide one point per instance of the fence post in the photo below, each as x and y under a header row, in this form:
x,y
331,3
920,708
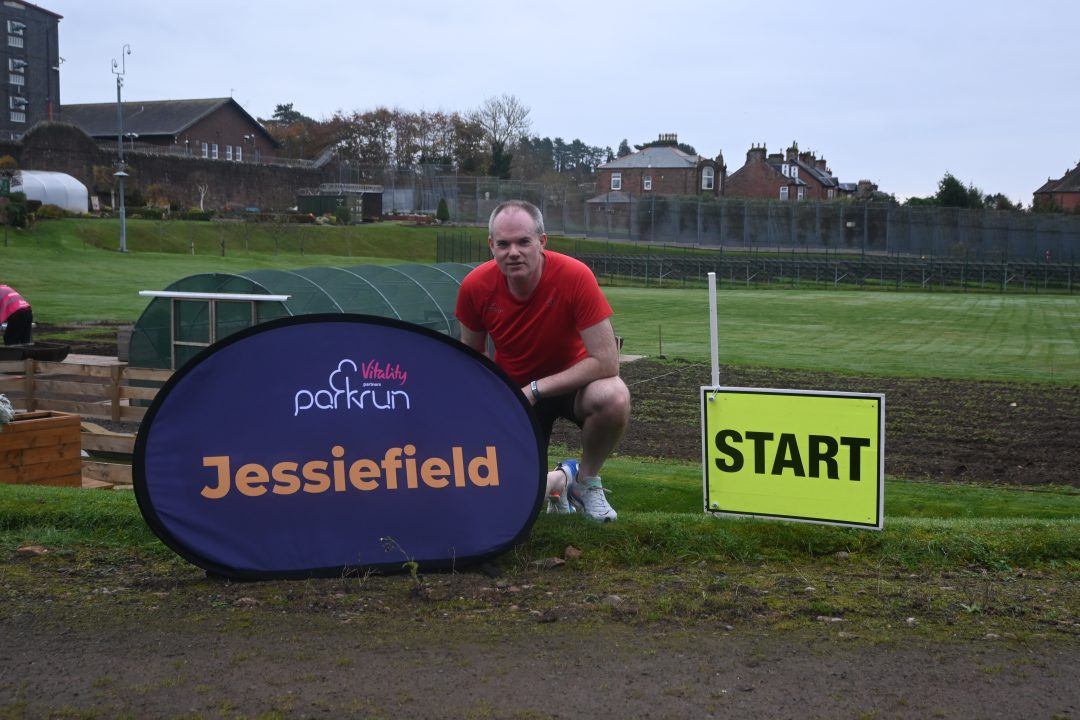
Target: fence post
x,y
116,373
29,366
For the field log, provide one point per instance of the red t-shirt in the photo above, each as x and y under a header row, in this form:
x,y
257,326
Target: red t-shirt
x,y
541,335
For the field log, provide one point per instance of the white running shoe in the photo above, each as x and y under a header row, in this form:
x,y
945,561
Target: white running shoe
x,y
588,496
558,502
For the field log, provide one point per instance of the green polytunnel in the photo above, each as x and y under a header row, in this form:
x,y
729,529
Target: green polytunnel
x,y
173,329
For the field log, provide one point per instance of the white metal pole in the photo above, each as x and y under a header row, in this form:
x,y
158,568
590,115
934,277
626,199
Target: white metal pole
x,y
714,341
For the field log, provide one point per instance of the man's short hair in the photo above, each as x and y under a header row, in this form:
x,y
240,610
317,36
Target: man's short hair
x,y
534,213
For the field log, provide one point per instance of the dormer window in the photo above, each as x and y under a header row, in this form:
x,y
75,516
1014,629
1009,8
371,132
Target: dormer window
x,y
708,178
794,171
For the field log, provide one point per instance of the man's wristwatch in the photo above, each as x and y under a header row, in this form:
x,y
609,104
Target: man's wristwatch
x,y
535,391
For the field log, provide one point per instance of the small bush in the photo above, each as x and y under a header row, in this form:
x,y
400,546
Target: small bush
x,y
33,205
195,214
342,214
16,214
442,214
144,213
50,212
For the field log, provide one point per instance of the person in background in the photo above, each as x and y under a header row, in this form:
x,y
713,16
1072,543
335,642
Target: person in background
x,y
16,312
551,328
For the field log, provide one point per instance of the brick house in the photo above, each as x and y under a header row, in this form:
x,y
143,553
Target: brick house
x,y
33,64
791,175
660,170
212,129
1063,193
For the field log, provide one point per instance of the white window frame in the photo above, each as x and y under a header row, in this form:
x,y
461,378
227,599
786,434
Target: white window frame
x,y
708,178
784,192
18,102
794,171
15,41
616,181
205,151
18,116
646,182
15,27
17,65
800,194
832,193
228,152
16,79
214,151
239,153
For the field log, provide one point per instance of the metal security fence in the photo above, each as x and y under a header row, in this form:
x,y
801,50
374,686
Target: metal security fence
x,y
661,267
832,226
897,273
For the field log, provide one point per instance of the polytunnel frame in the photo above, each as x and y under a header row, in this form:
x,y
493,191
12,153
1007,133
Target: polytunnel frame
x,y
313,290
213,299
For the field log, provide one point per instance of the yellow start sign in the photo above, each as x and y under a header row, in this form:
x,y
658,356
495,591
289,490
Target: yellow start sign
x,y
812,456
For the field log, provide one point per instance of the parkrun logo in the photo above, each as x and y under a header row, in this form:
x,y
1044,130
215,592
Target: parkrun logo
x,y
360,387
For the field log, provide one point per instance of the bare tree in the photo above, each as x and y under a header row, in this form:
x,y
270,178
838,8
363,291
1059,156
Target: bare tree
x,y
505,119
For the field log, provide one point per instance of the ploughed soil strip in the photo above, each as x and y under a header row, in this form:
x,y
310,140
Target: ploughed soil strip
x,y
935,429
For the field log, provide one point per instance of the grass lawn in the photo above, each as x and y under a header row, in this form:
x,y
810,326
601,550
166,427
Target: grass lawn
x,y
660,519
61,267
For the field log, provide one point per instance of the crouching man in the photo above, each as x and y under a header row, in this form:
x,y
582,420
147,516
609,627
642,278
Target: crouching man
x,y
551,328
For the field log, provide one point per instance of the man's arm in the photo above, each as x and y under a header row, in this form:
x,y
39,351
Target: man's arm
x,y
476,340
602,362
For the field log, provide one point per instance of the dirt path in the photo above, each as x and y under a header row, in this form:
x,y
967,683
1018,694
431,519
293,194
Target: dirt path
x,y
112,634
249,662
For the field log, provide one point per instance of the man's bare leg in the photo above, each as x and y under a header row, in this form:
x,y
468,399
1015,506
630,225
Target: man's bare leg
x,y
604,407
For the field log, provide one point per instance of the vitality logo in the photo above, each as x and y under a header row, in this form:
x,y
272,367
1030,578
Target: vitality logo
x,y
353,387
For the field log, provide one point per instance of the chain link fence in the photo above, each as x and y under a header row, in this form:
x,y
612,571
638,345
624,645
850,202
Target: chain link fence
x,y
675,267
832,226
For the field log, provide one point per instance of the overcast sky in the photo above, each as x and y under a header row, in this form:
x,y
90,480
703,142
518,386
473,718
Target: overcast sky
x,y
898,93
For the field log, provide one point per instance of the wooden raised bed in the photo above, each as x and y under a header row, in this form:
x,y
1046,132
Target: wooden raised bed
x,y
41,448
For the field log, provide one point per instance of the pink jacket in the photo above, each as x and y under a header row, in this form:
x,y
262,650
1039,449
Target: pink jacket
x,y
10,302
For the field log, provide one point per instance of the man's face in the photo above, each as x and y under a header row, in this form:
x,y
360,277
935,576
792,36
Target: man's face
x,y
516,246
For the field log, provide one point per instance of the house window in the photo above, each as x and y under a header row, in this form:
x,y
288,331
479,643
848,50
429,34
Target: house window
x,y
16,65
784,193
15,33
616,181
213,152
801,195
15,41
239,153
708,178
18,116
16,79
794,171
17,103
832,193
646,182
784,170
205,150
228,152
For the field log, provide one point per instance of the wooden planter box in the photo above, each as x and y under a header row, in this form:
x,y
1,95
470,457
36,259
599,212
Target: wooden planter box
x,y
41,448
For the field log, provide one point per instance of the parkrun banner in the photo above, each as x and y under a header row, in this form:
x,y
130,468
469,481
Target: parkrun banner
x,y
794,455
310,445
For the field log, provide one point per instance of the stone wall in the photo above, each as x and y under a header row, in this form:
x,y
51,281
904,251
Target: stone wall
x,y
65,148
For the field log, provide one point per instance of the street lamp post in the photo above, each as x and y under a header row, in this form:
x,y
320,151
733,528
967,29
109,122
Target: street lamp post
x,y
120,166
